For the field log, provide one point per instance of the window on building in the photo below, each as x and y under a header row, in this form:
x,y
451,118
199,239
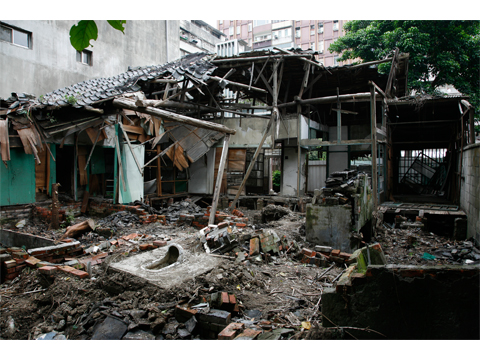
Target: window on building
x,y
15,36
230,30
335,61
312,46
276,34
221,22
320,46
261,22
85,57
250,27
335,25
297,32
312,29
320,27
238,29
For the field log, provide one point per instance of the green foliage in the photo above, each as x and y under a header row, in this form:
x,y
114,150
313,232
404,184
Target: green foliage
x,y
441,51
69,218
71,99
276,177
86,30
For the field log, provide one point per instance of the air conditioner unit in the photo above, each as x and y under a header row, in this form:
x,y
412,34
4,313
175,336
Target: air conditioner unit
x,y
275,36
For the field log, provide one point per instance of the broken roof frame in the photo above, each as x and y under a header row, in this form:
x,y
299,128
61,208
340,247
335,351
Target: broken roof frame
x,y
190,89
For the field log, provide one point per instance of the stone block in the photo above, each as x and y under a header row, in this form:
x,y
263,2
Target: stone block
x,y
215,316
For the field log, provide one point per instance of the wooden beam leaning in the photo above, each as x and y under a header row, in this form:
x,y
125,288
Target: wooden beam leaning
x,y
218,184
130,147
216,78
130,104
252,163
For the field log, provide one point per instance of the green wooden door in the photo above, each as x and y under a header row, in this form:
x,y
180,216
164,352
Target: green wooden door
x,y
17,183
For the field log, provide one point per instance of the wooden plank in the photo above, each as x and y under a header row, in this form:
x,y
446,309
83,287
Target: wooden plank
x,y
95,136
134,129
221,168
129,104
4,140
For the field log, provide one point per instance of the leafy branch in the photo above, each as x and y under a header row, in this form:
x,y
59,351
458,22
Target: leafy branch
x,y
86,30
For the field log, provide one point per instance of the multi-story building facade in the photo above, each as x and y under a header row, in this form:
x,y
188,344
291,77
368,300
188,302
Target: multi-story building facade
x,y
316,35
36,56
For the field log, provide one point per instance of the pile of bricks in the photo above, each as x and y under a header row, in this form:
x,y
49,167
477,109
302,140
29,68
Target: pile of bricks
x,y
200,220
268,242
13,262
324,255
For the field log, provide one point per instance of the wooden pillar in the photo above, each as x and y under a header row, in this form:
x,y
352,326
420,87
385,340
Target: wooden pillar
x,y
55,219
218,185
373,129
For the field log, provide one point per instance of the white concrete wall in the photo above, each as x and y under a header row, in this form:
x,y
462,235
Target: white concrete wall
x,y
51,62
470,189
201,174
288,186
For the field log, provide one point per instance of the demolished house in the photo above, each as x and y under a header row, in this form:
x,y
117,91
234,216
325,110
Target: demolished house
x,y
134,143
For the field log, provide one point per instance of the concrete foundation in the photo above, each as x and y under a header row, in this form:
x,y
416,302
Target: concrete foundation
x,y
329,226
189,266
408,302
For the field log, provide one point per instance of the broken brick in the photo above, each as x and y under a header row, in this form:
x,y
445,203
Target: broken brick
x,y
335,252
230,331
248,334
254,246
160,243
48,270
10,263
32,261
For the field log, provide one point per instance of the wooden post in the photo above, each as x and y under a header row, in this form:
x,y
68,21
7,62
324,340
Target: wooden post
x,y
130,147
216,194
252,163
273,118
55,219
373,129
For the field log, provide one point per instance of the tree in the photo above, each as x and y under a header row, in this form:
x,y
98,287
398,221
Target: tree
x,y
442,52
86,30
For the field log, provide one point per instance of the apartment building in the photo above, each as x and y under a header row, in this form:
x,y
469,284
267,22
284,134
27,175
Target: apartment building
x,y
316,35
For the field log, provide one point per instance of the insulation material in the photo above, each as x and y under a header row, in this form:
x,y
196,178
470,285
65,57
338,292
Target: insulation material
x,y
133,178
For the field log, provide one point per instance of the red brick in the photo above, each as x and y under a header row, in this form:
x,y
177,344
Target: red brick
x,y
79,273
335,252
240,225
232,299
308,253
32,261
345,256
143,247
48,270
254,247
11,276
224,299
230,331
10,264
160,243
222,225
249,334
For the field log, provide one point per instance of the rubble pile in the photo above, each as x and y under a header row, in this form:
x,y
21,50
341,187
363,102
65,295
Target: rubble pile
x,y
413,246
342,187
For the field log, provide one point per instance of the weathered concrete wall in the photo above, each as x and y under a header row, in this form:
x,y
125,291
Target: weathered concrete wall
x,y
288,185
249,132
201,174
409,302
470,190
51,62
17,239
329,226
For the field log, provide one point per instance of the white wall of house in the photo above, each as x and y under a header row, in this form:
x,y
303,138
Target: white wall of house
x,y
50,62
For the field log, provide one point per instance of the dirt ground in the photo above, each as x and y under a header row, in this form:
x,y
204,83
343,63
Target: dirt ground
x,y
281,294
